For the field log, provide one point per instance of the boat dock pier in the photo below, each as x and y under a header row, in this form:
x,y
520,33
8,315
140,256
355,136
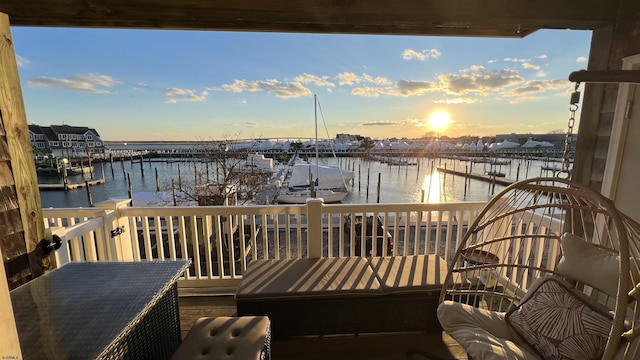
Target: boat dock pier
x,y
487,178
70,186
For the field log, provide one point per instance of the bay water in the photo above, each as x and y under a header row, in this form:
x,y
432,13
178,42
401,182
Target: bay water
x,y
374,182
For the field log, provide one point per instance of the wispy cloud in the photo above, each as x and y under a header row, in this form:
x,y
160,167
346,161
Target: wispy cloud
x,y
582,59
350,79
534,87
140,87
83,82
280,89
370,91
411,88
515,60
530,66
176,95
422,55
382,123
477,79
317,80
543,56
22,61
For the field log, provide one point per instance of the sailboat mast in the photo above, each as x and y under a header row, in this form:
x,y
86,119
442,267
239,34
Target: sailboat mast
x,y
315,115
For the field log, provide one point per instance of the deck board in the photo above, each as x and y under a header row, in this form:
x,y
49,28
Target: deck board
x,y
389,346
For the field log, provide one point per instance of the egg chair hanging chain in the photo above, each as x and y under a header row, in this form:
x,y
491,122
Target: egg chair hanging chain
x,y
566,157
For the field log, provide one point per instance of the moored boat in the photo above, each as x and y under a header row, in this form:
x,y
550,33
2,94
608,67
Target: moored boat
x,y
300,196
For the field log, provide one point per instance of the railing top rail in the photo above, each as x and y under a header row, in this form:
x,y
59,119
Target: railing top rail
x,y
213,210
71,212
80,229
404,206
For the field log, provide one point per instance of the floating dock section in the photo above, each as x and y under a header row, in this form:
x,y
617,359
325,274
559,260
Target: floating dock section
x,y
70,186
486,178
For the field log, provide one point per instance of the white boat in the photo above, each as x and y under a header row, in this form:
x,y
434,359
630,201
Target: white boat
x,y
305,179
287,196
324,177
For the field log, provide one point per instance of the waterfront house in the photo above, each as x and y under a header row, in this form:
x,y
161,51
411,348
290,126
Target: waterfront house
x,y
606,152
66,141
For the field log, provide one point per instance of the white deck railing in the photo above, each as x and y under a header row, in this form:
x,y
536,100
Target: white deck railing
x,y
112,231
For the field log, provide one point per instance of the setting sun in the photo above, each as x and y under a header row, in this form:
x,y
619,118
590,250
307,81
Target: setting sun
x,y
439,120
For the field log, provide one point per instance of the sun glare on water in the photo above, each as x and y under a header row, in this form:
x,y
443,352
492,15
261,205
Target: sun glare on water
x,y
439,120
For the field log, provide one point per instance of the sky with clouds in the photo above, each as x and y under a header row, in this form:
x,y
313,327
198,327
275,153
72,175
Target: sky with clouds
x,y
191,85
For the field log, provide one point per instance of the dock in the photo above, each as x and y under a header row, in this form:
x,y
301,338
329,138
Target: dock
x,y
70,186
487,178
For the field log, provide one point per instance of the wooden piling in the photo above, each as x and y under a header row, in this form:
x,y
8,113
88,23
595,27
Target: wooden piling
x,y
90,166
130,192
157,181
173,190
378,196
141,166
89,197
466,179
368,176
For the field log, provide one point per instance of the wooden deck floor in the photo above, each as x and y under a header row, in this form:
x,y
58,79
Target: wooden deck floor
x,y
390,346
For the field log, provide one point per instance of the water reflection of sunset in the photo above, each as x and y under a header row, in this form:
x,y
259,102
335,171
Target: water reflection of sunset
x,y
431,190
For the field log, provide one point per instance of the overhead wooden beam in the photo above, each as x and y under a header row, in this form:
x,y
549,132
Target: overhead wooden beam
x,y
606,76
410,17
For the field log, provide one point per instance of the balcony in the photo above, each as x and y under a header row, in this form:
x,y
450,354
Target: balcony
x,y
114,231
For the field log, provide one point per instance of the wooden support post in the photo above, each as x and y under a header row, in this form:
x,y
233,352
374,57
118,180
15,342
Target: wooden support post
x,y
22,208
141,166
314,228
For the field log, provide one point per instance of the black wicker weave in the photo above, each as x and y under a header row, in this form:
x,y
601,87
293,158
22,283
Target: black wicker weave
x,y
124,310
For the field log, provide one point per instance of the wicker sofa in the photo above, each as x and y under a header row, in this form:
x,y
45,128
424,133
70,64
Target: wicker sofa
x,y
344,295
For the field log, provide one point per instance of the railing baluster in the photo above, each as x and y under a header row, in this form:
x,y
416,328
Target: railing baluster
x,y
195,245
171,238
265,237
287,236
207,238
159,230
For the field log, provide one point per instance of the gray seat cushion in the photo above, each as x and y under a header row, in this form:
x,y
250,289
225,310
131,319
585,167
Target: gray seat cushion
x,y
413,273
308,278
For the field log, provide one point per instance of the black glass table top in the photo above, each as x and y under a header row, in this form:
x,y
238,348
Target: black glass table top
x,y
79,309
